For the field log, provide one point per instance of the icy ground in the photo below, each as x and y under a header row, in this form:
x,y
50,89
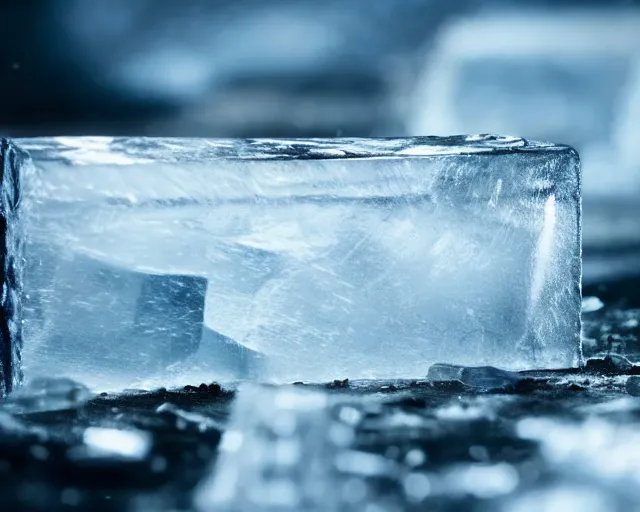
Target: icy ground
x,y
530,442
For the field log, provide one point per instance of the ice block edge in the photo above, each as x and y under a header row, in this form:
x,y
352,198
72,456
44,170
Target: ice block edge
x,y
11,159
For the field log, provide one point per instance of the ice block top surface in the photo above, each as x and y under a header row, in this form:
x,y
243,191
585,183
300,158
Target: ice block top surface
x,y
140,150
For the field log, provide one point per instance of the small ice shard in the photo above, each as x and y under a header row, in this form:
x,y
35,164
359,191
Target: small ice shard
x,y
489,378
440,372
188,420
633,385
9,425
168,260
611,363
591,304
282,451
47,394
485,378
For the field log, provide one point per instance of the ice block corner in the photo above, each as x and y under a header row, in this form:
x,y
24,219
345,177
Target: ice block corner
x,y
11,267
298,259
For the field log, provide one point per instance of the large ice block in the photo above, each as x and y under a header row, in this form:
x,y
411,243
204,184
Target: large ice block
x,y
165,261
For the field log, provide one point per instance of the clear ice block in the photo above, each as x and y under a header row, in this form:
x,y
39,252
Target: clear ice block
x,y
164,261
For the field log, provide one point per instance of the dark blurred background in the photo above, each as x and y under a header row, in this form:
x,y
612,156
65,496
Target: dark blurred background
x,y
315,68
559,70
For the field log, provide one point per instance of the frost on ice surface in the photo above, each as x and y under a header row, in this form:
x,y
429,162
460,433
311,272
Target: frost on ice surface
x,y
163,261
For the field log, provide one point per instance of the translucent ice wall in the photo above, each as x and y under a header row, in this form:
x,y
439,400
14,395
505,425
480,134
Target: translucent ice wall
x,y
169,261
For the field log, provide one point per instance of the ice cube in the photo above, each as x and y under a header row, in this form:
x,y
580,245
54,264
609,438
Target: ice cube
x,y
99,323
321,259
81,305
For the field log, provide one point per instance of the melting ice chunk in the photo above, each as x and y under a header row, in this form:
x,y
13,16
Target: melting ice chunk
x,y
166,260
485,378
47,394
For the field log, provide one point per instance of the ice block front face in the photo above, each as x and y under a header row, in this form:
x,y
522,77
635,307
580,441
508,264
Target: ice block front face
x,y
166,261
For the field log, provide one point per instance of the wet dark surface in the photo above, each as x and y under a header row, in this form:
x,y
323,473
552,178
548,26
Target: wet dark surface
x,y
447,427
550,439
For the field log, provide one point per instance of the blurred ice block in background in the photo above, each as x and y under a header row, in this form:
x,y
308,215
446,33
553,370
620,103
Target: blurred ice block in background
x,y
571,76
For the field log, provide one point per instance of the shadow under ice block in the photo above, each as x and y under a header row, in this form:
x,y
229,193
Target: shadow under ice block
x,y
173,261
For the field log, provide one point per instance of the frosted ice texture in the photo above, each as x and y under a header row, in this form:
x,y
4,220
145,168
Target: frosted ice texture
x,y
164,261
